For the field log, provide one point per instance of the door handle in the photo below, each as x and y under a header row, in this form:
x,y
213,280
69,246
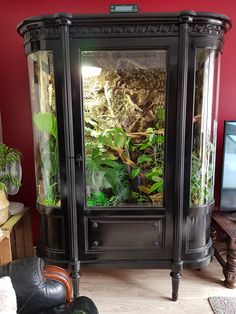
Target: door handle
x,y
79,160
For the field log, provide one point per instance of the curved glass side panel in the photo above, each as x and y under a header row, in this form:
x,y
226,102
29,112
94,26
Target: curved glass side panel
x,y
124,98
42,89
204,127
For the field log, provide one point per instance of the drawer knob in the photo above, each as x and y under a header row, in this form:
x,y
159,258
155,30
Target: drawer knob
x,y
95,243
155,225
95,225
156,243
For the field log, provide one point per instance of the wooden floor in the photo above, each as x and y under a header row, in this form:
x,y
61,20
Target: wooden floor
x,y
132,291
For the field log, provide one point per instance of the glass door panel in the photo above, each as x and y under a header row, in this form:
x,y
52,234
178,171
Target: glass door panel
x,y
124,100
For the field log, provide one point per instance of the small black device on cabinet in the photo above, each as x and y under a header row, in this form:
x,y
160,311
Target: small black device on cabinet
x,y
124,8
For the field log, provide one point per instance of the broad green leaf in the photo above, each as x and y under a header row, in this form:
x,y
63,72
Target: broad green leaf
x,y
145,145
127,142
135,172
45,122
54,127
118,130
155,172
156,178
156,186
152,138
144,158
160,139
109,156
150,130
119,140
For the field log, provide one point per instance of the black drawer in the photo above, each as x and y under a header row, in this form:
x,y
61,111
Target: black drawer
x,y
125,234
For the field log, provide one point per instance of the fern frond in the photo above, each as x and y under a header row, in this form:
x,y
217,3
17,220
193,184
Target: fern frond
x,y
8,156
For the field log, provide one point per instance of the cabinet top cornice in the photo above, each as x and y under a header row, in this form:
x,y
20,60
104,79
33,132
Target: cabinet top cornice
x,y
153,24
206,17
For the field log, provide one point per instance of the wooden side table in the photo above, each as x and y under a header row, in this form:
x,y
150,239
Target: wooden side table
x,y
224,241
5,247
17,230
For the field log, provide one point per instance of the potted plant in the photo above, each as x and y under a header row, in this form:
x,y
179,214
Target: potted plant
x,y
10,177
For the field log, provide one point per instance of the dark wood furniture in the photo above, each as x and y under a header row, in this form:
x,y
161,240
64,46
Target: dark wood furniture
x,y
17,241
224,241
147,201
5,247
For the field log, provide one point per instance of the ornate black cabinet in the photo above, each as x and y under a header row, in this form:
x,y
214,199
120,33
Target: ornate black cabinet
x,y
125,117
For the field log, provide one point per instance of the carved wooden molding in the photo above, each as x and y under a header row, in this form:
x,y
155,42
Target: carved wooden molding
x,y
53,32
208,29
124,29
39,33
153,24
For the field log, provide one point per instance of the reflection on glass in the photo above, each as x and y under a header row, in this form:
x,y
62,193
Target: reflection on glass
x,y
228,189
42,89
205,127
124,96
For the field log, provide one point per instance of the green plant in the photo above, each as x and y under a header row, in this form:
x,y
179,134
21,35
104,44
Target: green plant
x,y
100,199
131,164
140,198
202,180
151,160
8,157
47,159
103,171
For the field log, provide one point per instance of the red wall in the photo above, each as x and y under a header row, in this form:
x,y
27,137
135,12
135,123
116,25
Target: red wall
x,y
14,91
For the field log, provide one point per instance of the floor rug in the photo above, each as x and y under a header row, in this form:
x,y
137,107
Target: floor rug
x,y
223,305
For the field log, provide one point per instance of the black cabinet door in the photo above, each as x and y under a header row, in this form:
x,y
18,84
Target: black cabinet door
x,y
124,93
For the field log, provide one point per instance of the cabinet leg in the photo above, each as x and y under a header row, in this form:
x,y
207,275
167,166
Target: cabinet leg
x,y
175,284
230,269
75,275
